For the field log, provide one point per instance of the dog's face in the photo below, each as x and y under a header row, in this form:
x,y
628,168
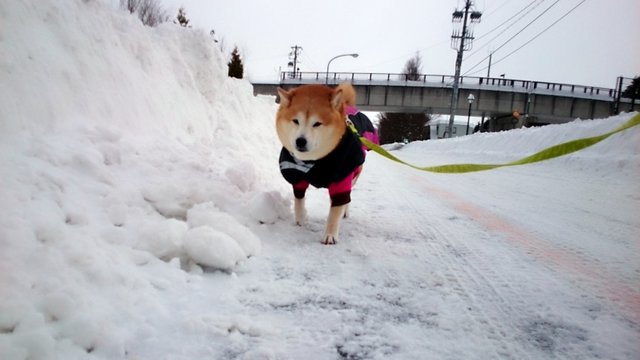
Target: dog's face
x,y
310,121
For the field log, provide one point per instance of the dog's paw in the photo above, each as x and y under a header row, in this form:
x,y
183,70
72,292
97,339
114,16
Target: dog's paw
x,y
329,239
301,220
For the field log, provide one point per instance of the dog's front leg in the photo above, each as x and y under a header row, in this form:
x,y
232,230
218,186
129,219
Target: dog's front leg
x,y
333,224
299,211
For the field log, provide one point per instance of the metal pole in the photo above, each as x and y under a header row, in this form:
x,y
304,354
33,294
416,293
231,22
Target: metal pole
x,y
456,79
354,55
295,60
295,50
471,98
468,118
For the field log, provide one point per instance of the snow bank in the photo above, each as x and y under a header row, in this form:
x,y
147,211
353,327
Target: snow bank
x,y
126,155
495,148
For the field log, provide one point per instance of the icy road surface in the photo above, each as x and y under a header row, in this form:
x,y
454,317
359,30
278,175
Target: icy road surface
x,y
532,262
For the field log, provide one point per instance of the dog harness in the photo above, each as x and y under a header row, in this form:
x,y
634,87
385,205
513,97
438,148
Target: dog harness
x,y
335,171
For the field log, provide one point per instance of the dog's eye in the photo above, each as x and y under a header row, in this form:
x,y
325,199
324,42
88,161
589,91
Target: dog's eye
x,y
295,121
317,124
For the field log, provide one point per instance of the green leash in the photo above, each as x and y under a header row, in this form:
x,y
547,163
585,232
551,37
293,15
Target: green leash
x,y
548,153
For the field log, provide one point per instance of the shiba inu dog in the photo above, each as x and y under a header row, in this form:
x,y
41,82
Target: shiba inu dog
x,y
319,149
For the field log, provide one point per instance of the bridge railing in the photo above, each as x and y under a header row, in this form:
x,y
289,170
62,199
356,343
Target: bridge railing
x,y
397,79
337,77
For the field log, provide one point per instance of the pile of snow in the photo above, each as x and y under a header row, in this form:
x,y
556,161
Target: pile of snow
x,y
144,120
127,156
504,147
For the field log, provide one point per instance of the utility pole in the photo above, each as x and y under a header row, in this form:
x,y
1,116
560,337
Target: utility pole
x,y
295,51
460,41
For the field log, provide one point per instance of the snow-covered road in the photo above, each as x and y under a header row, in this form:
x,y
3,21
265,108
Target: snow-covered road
x,y
502,264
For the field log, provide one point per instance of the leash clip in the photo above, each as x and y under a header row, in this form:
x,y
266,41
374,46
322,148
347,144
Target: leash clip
x,y
351,126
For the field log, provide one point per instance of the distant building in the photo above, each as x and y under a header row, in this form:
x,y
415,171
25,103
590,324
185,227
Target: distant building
x,y
438,128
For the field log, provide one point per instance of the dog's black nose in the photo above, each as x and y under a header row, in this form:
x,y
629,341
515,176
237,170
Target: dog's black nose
x,y
301,144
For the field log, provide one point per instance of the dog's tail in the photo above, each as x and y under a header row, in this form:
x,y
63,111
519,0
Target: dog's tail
x,y
348,94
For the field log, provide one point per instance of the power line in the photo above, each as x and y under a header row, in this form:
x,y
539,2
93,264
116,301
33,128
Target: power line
x,y
540,33
512,18
516,34
496,9
530,40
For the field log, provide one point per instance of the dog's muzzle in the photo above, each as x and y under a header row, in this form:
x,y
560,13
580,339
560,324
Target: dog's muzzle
x,y
301,144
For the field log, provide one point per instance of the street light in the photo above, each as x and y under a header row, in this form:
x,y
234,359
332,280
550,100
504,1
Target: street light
x,y
471,98
335,57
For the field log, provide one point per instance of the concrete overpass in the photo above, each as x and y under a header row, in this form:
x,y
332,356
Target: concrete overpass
x,y
541,102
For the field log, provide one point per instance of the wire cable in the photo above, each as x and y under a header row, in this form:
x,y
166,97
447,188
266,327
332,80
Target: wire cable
x,y
533,38
516,34
512,18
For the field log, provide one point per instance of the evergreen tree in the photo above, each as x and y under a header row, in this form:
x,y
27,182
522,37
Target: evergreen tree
x,y
404,127
236,69
181,18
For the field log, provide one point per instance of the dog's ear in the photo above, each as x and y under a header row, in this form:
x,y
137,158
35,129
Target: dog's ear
x,y
348,93
285,96
337,99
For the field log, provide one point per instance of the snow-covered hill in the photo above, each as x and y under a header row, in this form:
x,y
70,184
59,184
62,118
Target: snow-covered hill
x,y
144,218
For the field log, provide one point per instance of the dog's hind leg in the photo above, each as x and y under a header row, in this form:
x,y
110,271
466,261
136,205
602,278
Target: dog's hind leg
x,y
333,225
353,183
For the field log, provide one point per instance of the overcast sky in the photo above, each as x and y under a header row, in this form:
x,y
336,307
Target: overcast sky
x,y
592,45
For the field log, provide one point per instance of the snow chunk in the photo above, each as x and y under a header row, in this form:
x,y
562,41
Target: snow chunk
x,y
209,247
163,239
268,207
207,214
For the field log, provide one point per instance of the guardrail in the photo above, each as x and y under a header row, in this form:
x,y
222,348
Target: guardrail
x,y
445,81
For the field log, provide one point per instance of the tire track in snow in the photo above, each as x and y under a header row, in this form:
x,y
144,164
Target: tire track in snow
x,y
502,300
501,304
471,285
485,311
561,258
